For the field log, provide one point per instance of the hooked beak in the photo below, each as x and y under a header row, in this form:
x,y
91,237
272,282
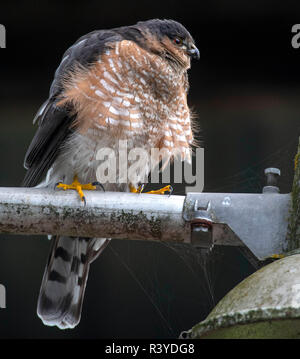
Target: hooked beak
x,y
194,52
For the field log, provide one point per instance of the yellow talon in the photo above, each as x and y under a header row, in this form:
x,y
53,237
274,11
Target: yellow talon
x,y
78,187
167,188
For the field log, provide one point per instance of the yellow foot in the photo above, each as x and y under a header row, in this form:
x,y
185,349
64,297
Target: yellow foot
x,y
158,191
163,190
79,187
136,190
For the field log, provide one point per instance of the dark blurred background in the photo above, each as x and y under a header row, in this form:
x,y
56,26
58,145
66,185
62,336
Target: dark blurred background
x,y
245,92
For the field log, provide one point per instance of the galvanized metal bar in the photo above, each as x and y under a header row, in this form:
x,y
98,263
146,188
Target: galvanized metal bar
x,y
256,221
109,214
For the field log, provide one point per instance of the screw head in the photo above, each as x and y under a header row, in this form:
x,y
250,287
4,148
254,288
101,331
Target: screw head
x,y
272,170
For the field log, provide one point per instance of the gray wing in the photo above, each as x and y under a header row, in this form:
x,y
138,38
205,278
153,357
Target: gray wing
x,y
56,123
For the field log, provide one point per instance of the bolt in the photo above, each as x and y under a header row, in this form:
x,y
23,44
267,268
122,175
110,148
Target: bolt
x,y
201,227
272,175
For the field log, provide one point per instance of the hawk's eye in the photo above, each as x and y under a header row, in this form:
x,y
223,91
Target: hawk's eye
x,y
178,41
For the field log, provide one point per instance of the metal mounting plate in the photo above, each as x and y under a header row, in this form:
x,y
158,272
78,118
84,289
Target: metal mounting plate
x,y
259,221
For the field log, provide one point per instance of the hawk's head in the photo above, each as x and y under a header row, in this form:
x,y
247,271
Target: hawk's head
x,y
171,40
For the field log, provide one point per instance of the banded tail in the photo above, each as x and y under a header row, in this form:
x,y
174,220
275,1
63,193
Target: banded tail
x,y
64,281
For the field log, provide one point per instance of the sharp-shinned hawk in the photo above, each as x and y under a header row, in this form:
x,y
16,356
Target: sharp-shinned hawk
x,y
125,83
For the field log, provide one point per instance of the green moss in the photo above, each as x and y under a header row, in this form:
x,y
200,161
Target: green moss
x,y
275,329
251,324
293,234
131,220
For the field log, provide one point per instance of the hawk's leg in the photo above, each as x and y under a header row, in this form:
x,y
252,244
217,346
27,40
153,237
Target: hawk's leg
x,y
158,191
79,187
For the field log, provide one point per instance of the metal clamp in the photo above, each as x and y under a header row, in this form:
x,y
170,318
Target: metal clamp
x,y
201,225
207,231
201,218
